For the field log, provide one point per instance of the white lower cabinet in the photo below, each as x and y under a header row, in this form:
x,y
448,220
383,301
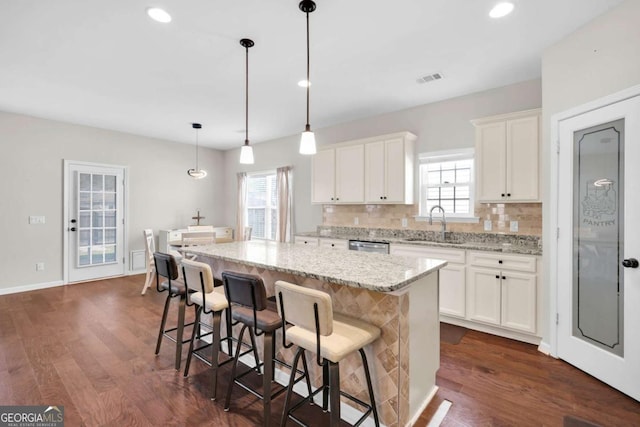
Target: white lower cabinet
x,y
505,296
488,291
451,277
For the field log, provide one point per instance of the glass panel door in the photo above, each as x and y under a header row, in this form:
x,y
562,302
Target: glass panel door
x,y
598,239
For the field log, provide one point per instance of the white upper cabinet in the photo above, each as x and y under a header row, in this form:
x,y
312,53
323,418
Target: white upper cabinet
x,y
337,175
389,170
350,174
371,170
323,177
508,157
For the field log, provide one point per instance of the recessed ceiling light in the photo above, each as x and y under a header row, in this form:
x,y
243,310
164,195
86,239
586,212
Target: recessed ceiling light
x,y
304,83
501,9
158,14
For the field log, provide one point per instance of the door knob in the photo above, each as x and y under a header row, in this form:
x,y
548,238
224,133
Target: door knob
x,y
630,263
74,229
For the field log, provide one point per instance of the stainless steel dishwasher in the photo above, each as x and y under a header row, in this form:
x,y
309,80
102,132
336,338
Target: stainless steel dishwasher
x,y
378,247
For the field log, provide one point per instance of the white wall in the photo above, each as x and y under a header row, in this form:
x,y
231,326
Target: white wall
x,y
161,194
439,126
601,58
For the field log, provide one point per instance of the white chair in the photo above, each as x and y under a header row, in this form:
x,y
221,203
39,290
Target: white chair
x,y
332,336
194,238
149,249
247,233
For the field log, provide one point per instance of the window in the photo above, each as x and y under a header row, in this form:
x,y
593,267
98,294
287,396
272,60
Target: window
x,y
262,205
446,179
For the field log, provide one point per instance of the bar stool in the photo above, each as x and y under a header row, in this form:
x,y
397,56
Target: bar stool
x,y
249,305
207,299
332,336
167,268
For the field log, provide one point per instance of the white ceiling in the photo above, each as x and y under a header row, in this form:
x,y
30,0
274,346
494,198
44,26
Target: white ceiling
x,y
107,64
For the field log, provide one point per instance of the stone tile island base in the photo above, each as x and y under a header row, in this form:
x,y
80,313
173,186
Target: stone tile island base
x,y
403,361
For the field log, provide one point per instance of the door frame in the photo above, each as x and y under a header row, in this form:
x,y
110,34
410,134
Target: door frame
x,y
65,214
552,230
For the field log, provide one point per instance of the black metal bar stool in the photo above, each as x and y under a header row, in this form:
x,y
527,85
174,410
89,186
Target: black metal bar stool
x,y
250,307
167,268
207,299
332,336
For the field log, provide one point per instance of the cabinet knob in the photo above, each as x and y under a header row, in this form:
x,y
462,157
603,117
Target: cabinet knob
x,y
381,197
508,194
504,278
502,194
332,198
385,197
499,261
333,245
497,277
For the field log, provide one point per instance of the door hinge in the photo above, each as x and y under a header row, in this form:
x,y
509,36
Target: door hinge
x,y
558,233
122,221
557,318
557,146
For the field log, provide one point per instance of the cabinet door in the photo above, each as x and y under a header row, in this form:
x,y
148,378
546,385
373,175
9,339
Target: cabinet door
x,y
519,301
374,172
350,174
395,172
484,295
490,162
523,159
452,290
323,174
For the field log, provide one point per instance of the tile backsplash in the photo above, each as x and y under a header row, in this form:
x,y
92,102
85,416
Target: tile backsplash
x,y
528,215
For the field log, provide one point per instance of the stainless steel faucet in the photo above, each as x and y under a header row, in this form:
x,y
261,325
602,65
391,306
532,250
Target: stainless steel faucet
x,y
443,221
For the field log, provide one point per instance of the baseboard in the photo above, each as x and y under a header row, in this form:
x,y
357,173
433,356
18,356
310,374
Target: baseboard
x,y
27,288
135,272
501,332
423,406
544,348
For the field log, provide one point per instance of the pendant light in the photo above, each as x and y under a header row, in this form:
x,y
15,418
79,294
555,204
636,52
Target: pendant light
x,y
197,173
246,152
308,139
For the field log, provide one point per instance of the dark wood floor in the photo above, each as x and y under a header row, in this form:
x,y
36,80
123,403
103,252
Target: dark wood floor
x,y
90,347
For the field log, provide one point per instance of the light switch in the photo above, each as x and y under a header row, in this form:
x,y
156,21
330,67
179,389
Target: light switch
x,y
36,219
487,225
404,222
356,220
513,226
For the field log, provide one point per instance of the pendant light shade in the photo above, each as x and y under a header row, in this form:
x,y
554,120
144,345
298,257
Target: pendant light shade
x,y
246,152
307,139
197,173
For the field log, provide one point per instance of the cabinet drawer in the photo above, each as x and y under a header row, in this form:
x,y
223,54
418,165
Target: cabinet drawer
x,y
334,243
313,241
451,255
522,263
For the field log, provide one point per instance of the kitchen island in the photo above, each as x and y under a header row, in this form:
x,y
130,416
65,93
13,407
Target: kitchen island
x,y
397,294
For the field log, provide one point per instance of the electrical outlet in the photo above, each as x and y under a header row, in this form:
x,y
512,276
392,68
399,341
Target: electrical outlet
x,y
513,226
356,220
404,222
40,266
487,225
36,219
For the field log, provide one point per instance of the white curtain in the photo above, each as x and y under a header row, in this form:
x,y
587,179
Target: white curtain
x,y
284,231
242,205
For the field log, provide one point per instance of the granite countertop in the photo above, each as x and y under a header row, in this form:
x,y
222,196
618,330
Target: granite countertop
x,y
525,245
376,272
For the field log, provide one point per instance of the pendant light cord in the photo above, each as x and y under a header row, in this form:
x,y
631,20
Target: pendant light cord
x,y
197,168
246,99
308,127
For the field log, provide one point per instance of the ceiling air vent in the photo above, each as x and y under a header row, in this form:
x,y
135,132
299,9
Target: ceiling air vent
x,y
429,78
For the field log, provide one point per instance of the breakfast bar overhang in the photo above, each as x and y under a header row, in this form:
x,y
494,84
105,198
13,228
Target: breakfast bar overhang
x,y
397,294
